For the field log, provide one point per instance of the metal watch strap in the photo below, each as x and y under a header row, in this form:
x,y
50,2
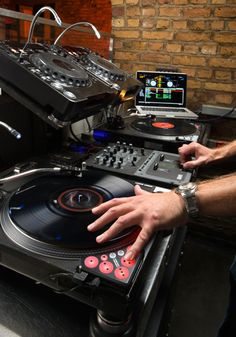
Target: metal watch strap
x,y
187,192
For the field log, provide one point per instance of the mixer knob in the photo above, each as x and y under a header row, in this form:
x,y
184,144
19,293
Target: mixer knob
x,y
155,167
121,160
134,158
125,149
119,164
115,151
118,146
162,157
131,150
97,159
142,151
111,163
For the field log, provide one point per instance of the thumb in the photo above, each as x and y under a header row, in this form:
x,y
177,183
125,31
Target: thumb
x,y
139,191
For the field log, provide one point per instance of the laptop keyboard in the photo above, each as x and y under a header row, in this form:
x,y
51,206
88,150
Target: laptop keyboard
x,y
163,109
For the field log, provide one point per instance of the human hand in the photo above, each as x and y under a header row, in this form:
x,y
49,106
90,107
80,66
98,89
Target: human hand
x,y
202,154
150,211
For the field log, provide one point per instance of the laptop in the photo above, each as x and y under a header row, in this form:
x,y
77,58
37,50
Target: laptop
x,y
163,94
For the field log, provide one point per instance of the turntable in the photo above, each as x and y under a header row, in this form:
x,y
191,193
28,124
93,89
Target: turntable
x,y
49,216
166,134
43,235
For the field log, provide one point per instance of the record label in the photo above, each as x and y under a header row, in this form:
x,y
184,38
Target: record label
x,y
163,125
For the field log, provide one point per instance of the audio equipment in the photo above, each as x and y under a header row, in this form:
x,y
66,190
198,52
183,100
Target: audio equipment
x,y
139,163
45,210
164,134
62,85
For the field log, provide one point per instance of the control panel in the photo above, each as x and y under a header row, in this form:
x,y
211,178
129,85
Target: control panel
x,y
128,160
112,266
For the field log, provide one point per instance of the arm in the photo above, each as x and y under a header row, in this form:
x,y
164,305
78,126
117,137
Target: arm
x,y
217,197
204,155
157,211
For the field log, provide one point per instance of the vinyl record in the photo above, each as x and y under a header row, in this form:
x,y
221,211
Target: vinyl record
x,y
163,126
49,215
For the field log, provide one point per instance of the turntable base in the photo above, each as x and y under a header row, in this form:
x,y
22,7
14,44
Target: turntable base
x,y
68,274
164,134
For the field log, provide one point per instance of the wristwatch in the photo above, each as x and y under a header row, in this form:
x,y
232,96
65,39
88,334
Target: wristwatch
x,y
188,193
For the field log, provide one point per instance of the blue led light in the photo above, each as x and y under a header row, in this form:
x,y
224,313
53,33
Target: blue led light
x,y
58,237
78,148
101,135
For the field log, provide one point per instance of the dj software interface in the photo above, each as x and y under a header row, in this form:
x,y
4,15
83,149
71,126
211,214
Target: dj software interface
x,y
162,88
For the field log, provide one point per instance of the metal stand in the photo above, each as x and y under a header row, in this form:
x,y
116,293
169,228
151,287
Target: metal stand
x,y
103,325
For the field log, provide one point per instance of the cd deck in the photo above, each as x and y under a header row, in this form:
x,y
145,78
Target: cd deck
x,y
66,85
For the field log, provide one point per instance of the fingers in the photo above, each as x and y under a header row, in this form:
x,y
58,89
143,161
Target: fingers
x,y
110,215
109,204
187,150
119,225
191,164
139,191
139,244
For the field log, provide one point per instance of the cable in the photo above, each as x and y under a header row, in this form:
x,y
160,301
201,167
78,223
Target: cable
x,y
89,126
73,134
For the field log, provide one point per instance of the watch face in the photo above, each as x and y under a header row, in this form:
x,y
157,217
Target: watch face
x,y
187,186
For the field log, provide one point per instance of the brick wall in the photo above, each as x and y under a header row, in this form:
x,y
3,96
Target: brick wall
x,y
97,12
196,36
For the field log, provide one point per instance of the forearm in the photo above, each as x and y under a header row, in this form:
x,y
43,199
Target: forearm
x,y
224,152
217,197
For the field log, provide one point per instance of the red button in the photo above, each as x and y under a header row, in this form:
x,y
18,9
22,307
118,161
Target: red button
x,y
91,262
104,257
106,267
127,263
121,273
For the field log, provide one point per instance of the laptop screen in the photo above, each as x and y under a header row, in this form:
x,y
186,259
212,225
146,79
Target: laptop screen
x,y
162,89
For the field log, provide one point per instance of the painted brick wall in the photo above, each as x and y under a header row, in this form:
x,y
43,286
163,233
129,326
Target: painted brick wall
x,y
196,36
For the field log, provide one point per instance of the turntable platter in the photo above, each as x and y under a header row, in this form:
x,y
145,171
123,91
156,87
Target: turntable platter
x,y
50,214
163,126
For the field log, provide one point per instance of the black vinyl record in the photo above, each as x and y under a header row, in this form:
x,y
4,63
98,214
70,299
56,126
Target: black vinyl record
x,y
163,126
51,213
